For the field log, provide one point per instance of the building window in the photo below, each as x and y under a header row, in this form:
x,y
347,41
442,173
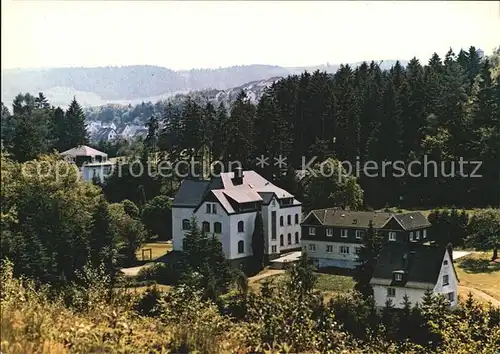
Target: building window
x,y
391,292
343,233
312,247
289,220
273,249
312,231
217,227
357,250
424,233
296,218
209,208
282,243
281,221
205,226
297,238
359,234
398,276
289,236
273,202
214,208
329,248
451,296
411,235
418,235
446,280
329,232
344,249
241,247
445,262
392,236
241,226
185,224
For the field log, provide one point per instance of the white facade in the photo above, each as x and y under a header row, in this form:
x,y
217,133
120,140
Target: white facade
x,y
332,254
235,227
230,236
416,291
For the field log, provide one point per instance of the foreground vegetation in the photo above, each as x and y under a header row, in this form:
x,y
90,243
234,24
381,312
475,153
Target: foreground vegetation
x,y
283,317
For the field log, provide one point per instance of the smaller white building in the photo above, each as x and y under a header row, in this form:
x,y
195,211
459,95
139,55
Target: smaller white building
x,y
412,269
92,163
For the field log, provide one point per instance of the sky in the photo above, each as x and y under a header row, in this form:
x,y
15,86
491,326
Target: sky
x,y
210,34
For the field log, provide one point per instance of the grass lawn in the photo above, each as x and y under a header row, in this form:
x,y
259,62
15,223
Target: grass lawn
x,y
326,283
158,249
477,271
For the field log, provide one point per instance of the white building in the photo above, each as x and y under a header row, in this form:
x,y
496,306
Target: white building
x,y
332,236
92,163
411,269
227,206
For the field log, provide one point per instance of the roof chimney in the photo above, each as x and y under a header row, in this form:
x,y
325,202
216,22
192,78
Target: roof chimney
x,y
238,176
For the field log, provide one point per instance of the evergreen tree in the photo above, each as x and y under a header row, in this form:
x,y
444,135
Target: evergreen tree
x,y
258,243
241,130
76,127
367,258
102,240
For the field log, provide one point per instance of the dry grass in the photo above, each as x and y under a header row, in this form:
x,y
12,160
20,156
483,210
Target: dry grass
x,y
158,249
478,272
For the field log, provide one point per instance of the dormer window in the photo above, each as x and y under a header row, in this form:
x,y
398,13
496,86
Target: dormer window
x,y
398,276
392,236
343,233
329,232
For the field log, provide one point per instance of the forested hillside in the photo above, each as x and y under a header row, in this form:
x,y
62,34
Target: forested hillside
x,y
445,110
95,86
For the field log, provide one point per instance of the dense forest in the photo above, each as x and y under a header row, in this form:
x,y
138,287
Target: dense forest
x,y
445,111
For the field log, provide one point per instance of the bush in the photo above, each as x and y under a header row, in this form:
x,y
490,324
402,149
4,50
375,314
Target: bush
x,y
162,273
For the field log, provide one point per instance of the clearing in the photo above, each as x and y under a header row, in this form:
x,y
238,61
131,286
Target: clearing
x,y
477,271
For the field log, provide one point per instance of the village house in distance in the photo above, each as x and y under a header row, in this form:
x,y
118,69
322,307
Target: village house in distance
x,y
411,269
332,236
92,163
227,206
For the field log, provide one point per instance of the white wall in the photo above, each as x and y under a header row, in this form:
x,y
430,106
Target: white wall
x,y
230,235
246,236
380,295
100,171
335,254
178,214
453,281
288,229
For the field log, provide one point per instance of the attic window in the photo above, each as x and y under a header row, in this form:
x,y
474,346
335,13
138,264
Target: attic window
x,y
411,217
355,221
343,215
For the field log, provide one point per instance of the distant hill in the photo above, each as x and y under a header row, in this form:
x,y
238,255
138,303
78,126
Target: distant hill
x,y
133,84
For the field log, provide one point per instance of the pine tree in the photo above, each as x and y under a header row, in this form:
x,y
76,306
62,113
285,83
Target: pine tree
x,y
241,131
258,242
75,119
367,258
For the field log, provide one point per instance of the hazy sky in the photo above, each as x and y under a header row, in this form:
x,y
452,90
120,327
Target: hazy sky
x,y
183,35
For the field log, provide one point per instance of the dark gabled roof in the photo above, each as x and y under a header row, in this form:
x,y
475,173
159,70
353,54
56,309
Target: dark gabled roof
x,y
413,220
361,219
345,218
266,197
190,193
422,263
